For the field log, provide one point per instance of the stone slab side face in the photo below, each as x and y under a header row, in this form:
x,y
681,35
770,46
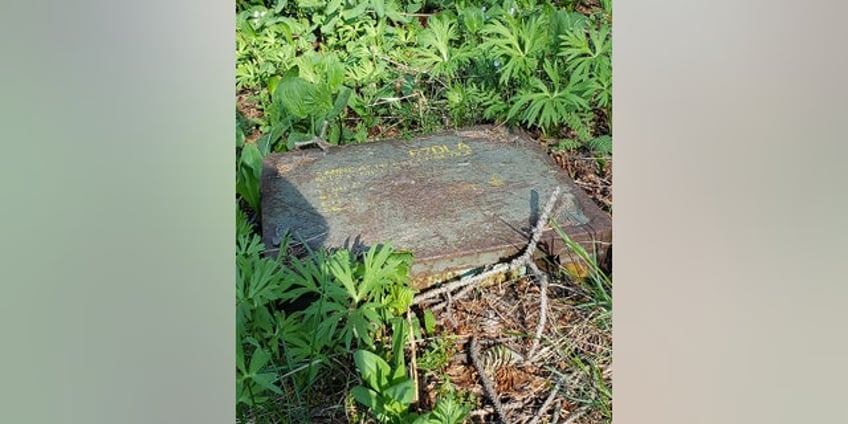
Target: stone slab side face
x,y
458,200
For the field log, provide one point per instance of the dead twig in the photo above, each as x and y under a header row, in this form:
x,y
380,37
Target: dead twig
x,y
547,402
543,307
447,303
488,387
317,140
413,356
573,417
555,417
385,100
449,314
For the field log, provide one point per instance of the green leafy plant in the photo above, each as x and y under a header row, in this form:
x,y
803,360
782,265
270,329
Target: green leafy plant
x,y
549,107
257,288
387,391
348,300
516,45
249,172
563,21
447,410
266,43
243,226
587,52
370,287
469,104
248,165
307,102
251,381
436,53
437,354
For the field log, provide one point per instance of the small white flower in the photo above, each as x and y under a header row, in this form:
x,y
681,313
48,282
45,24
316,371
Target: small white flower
x,y
255,13
497,63
511,10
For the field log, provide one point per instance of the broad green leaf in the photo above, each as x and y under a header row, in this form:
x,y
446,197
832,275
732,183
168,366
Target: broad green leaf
x,y
266,380
242,396
334,72
279,5
272,83
258,360
366,397
252,158
357,11
264,146
414,6
399,338
341,101
333,6
429,321
330,25
373,369
295,95
303,4
240,365
403,392
567,21
249,172
379,7
335,133
239,136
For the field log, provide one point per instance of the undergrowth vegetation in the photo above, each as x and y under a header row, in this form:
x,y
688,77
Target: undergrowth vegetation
x,y
322,336
355,70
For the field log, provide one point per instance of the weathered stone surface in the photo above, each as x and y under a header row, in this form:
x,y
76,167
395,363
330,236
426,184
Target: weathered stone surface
x,y
458,200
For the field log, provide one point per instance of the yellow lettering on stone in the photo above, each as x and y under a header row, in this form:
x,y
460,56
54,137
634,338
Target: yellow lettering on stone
x,y
440,151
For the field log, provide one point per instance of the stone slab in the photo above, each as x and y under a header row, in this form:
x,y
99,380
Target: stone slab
x,y
458,200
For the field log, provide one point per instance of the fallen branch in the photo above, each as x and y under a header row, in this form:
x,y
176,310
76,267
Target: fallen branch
x,y
460,283
447,303
543,307
524,260
488,387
